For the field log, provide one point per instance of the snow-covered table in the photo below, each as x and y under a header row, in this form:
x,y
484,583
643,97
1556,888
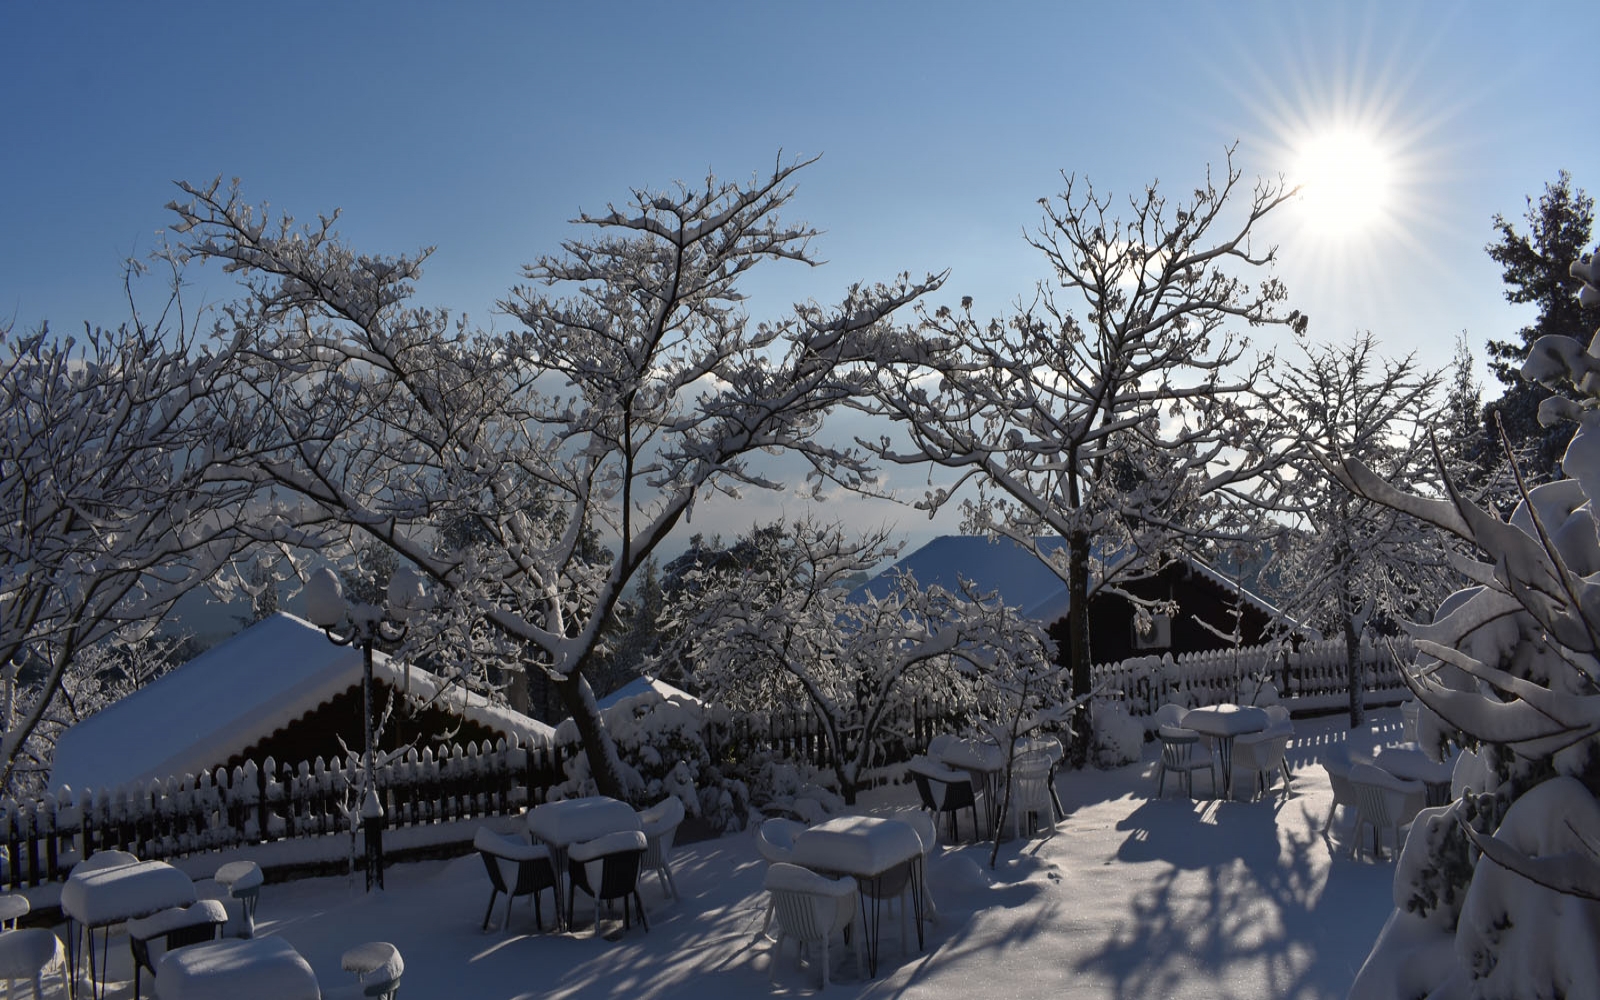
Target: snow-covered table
x,y
573,821
1223,723
984,763
265,968
96,898
1411,763
880,853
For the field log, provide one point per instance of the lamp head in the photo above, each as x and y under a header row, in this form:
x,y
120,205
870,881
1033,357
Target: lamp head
x,y
325,604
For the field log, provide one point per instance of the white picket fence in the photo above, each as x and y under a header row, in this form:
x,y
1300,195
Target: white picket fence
x,y
1314,675
259,805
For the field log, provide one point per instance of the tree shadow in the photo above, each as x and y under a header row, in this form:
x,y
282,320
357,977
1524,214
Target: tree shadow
x,y
1240,890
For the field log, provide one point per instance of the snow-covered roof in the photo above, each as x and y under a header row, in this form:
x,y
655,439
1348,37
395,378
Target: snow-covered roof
x,y
642,685
1002,566
239,692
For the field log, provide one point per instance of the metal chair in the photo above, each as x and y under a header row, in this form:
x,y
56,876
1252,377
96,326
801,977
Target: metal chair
x,y
1181,753
607,868
945,791
809,908
242,880
516,868
660,825
378,967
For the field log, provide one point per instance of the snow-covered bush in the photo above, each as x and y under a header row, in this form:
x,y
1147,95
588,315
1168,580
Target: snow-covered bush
x,y
661,746
1118,736
1513,664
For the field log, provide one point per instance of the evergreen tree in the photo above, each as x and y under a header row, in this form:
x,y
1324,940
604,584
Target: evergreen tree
x,y
1534,266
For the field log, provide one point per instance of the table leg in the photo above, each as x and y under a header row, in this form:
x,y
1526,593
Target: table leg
x,y
1225,758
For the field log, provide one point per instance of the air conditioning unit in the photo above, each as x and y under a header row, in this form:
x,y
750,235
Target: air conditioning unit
x,y
1156,633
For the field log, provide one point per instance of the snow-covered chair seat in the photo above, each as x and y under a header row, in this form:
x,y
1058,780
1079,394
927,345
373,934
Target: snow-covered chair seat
x,y
945,791
378,967
1383,802
1183,755
516,868
28,955
660,824
13,907
607,868
242,880
809,908
175,927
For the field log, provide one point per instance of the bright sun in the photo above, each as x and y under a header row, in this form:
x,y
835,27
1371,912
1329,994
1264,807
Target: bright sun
x,y
1346,179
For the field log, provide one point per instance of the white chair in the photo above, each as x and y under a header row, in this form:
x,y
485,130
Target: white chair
x,y
1182,754
1030,793
28,954
660,825
775,843
1266,753
1169,715
1383,802
378,967
809,908
1337,763
1410,714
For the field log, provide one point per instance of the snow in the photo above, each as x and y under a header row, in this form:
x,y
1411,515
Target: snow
x,y
1132,898
240,691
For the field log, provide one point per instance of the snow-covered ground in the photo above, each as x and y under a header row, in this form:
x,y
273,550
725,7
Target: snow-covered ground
x,y
1130,898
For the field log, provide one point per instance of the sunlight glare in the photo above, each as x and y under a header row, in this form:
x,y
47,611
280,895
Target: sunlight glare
x,y
1346,179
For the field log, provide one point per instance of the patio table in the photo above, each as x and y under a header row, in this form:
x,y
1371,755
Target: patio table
x,y
1409,762
881,854
561,824
985,763
264,966
96,898
1223,723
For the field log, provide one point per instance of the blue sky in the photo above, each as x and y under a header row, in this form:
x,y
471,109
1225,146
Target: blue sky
x,y
482,128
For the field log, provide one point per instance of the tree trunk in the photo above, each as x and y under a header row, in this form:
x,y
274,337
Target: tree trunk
x,y
1078,642
1356,671
604,764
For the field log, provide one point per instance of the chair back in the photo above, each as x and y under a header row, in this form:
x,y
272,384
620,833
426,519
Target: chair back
x,y
809,906
775,838
608,867
1169,715
1385,800
661,820
1177,747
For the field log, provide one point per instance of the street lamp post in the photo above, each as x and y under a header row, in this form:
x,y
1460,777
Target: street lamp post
x,y
364,624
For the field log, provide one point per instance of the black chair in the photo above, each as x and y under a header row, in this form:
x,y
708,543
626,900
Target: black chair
x,y
178,926
945,791
529,864
619,858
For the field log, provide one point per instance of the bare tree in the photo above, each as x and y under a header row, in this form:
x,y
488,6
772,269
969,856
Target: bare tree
x,y
1347,564
790,632
1113,409
112,506
635,387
